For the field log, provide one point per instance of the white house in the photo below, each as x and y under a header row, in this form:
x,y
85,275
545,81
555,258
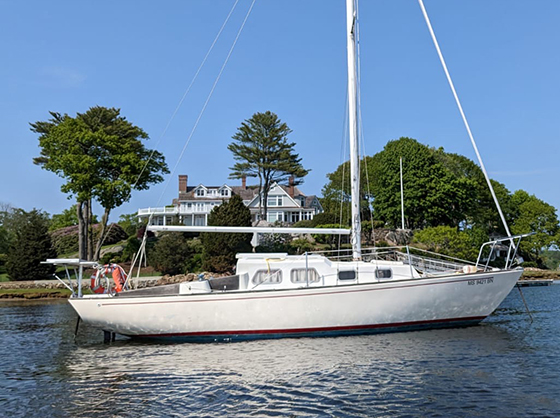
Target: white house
x,y
286,204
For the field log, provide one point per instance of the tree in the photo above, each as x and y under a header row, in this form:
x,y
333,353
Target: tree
x,y
102,157
452,242
433,196
336,193
68,217
262,150
534,215
170,253
219,250
31,245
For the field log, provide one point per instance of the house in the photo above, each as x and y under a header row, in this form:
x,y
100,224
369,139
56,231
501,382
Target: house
x,y
285,204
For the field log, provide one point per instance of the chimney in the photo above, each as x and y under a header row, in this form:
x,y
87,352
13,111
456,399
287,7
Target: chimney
x,y
291,186
183,183
244,182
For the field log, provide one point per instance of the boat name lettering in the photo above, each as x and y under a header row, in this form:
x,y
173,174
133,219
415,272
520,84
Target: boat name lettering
x,y
487,280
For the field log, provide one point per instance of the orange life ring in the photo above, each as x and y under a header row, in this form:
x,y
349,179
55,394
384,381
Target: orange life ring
x,y
117,273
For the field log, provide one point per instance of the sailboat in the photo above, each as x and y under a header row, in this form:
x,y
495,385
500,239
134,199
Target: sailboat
x,y
279,295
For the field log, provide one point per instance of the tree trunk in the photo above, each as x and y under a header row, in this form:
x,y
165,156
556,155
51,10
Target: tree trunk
x,y
82,231
101,237
265,197
260,198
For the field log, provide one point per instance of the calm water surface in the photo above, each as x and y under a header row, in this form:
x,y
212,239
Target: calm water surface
x,y
506,367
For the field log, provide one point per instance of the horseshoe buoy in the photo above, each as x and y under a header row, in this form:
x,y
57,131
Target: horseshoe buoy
x,y
115,271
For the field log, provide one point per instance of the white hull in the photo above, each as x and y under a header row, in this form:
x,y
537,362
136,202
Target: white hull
x,y
454,300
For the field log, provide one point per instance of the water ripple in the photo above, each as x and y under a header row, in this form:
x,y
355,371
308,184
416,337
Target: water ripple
x,y
504,367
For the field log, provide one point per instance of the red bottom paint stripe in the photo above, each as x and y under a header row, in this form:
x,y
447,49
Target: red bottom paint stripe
x,y
295,331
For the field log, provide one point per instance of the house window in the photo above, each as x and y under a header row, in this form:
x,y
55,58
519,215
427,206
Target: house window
x,y
299,276
295,217
224,192
200,192
199,220
306,216
200,207
347,275
267,276
275,216
274,201
383,273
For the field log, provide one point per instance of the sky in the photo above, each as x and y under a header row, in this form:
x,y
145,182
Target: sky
x,y
140,56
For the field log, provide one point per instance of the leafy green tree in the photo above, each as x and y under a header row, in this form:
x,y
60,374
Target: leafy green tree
x,y
452,242
219,250
68,217
102,157
551,258
336,193
534,215
261,149
130,223
31,245
433,196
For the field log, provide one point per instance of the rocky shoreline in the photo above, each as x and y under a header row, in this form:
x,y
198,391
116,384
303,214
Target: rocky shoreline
x,y
46,289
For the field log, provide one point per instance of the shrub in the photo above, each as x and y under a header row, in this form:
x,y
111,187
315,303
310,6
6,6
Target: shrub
x,y
32,244
170,253
219,249
65,240
449,241
324,219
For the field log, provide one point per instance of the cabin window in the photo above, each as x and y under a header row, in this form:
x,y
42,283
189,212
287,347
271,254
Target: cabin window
x,y
383,273
267,276
347,275
298,276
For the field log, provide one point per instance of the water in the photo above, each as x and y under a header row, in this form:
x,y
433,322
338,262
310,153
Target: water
x,y
505,367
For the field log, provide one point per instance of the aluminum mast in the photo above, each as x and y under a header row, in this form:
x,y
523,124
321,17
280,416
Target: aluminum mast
x,y
353,126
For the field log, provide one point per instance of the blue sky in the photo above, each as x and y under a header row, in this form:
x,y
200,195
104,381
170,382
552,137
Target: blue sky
x,y
140,56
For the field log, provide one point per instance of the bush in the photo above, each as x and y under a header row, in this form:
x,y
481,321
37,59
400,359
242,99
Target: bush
x,y
65,240
449,241
300,246
32,244
324,219
304,224
220,249
170,253
274,243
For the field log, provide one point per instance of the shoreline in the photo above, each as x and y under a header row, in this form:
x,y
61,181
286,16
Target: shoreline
x,y
53,289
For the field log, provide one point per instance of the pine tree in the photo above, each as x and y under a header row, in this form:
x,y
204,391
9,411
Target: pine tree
x,y
262,150
31,245
219,249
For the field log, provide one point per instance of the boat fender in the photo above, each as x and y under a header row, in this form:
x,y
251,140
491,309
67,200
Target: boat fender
x,y
119,277
95,284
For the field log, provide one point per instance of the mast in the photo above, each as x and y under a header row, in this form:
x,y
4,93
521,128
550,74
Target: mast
x,y
353,127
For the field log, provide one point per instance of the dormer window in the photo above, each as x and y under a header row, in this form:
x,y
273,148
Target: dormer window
x,y
224,192
200,192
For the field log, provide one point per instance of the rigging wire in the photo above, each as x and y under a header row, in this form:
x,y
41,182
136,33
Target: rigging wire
x,y
207,100
162,135
361,134
188,89
436,44
342,160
